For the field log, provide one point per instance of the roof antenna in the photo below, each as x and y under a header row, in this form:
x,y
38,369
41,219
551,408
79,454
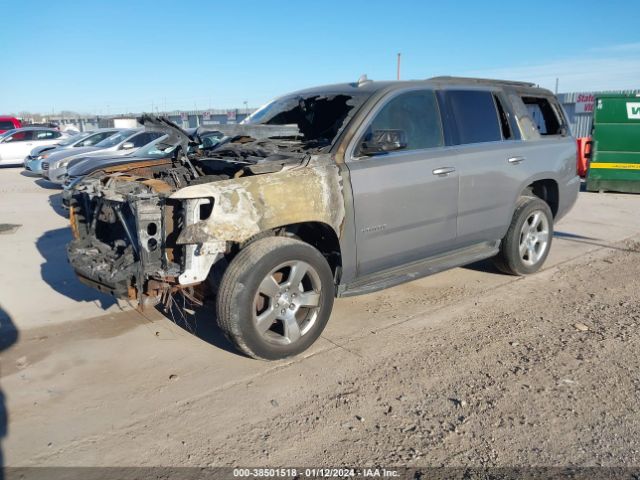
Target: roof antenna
x,y
363,80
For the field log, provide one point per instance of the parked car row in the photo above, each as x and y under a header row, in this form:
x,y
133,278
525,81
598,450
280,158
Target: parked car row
x,y
33,162
66,159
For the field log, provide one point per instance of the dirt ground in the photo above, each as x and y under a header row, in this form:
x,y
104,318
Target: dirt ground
x,y
541,371
468,367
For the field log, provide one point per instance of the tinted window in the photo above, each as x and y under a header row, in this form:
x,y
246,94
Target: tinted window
x,y
74,138
6,125
415,113
95,138
473,116
541,111
20,136
144,138
114,139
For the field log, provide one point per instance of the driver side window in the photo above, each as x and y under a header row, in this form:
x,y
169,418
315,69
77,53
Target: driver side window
x,y
415,114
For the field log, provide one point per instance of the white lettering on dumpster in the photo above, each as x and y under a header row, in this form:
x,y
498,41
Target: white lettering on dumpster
x,y
633,110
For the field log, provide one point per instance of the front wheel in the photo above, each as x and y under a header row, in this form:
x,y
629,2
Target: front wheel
x,y
275,298
526,245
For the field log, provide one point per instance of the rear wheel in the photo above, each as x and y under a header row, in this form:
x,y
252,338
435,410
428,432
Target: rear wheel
x,y
526,245
275,298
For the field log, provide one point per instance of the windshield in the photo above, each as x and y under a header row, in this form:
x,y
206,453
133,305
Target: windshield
x,y
74,139
318,116
114,139
158,149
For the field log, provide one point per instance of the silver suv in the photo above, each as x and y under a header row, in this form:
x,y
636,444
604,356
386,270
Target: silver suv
x,y
333,191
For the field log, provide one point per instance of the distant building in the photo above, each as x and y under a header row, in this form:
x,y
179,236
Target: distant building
x,y
184,118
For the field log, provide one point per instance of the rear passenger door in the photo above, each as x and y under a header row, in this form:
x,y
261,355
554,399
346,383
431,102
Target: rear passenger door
x,y
486,142
405,201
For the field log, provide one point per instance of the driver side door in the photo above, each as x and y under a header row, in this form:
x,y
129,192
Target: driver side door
x,y
405,201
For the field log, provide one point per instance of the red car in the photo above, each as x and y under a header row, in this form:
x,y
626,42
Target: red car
x,y
9,123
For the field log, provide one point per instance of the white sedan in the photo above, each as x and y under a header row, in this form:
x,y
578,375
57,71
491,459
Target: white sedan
x,y
16,144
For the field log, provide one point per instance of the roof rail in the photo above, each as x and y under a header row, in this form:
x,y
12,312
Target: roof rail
x,y
481,81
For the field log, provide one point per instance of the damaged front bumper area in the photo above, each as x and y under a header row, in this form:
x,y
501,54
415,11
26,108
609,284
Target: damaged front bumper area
x,y
128,239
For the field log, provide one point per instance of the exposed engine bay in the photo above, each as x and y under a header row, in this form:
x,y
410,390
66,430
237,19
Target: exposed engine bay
x,y
145,231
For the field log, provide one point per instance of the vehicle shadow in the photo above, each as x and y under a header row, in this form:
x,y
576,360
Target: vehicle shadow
x,y
55,201
47,184
8,336
486,266
202,323
596,242
59,275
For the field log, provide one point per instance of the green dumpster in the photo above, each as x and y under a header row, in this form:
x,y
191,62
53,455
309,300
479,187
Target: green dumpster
x,y
615,154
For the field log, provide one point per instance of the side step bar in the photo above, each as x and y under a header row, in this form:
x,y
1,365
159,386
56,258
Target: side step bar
x,y
421,268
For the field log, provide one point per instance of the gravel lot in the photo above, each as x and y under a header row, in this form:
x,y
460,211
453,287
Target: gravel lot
x,y
468,367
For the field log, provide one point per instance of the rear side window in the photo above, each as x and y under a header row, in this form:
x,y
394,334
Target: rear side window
x,y
46,134
543,115
6,125
416,113
142,139
93,139
472,116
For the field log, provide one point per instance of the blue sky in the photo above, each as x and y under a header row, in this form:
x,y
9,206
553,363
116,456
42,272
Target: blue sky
x,y
120,56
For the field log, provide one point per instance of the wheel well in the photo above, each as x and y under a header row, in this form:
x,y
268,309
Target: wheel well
x,y
321,236
317,234
546,190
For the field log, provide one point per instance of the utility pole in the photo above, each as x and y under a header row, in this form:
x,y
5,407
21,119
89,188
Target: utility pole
x,y
557,80
398,72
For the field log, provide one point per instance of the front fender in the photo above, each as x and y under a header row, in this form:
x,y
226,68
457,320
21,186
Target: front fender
x,y
246,206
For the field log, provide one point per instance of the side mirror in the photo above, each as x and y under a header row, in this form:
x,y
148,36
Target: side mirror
x,y
127,146
383,141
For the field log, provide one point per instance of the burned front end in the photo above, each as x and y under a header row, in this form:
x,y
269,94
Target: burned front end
x,y
146,230
127,230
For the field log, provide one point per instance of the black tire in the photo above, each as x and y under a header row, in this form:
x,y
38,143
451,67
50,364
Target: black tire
x,y
239,289
509,259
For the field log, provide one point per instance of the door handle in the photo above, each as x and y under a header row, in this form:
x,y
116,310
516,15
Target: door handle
x,y
444,171
515,160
